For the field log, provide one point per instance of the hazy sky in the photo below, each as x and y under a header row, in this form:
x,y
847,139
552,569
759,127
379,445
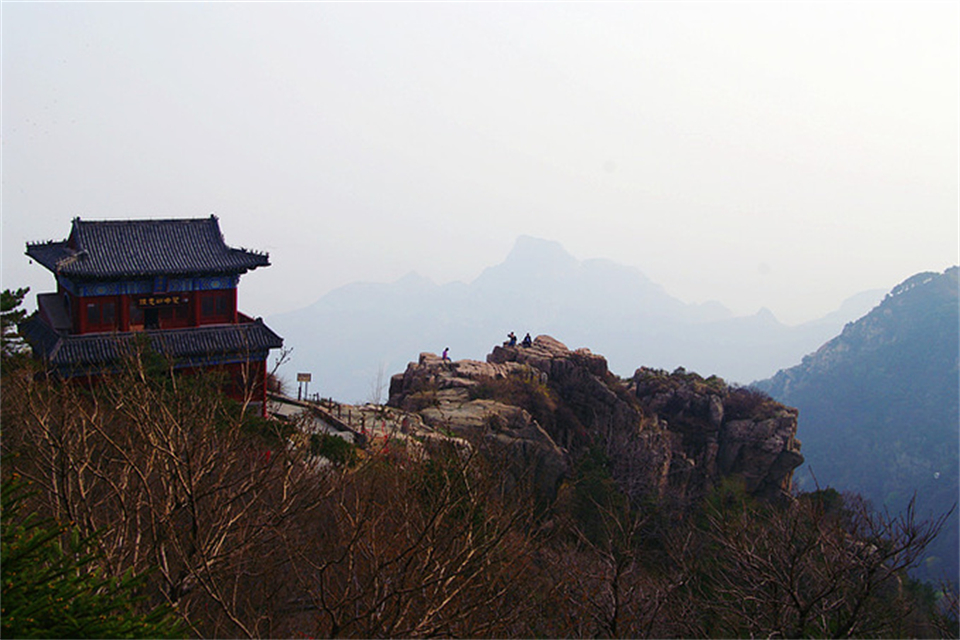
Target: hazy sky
x,y
785,154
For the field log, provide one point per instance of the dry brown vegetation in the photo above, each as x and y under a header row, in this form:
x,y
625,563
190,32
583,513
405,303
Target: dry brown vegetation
x,y
250,536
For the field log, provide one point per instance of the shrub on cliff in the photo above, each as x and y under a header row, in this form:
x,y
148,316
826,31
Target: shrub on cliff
x,y
749,403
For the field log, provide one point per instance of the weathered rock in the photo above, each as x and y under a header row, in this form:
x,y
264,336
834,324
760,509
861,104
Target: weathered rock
x,y
727,431
431,374
716,410
664,434
583,382
440,393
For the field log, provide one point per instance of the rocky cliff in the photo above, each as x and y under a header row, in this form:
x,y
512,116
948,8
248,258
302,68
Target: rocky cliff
x,y
721,431
664,434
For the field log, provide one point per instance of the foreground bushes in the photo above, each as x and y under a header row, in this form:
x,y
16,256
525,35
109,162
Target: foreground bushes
x,y
242,535
52,587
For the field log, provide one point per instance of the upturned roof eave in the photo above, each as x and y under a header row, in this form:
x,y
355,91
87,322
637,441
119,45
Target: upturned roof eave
x,y
104,250
43,253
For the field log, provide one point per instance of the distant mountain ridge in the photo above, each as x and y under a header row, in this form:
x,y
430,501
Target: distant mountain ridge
x,y
880,406
355,337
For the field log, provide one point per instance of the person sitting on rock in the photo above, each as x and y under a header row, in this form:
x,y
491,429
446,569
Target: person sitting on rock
x,y
446,354
527,341
512,342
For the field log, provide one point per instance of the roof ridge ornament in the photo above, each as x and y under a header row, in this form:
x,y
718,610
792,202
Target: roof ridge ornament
x,y
66,261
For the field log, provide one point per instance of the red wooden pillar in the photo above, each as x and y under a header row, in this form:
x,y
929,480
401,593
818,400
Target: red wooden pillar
x,y
195,308
124,312
73,303
263,388
81,318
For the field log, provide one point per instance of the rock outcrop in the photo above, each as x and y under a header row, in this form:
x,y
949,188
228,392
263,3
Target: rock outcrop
x,y
664,434
446,394
722,431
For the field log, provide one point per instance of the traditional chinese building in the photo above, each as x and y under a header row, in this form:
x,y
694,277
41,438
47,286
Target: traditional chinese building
x,y
172,281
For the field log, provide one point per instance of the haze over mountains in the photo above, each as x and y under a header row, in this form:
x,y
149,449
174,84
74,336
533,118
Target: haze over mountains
x,y
876,381
355,337
880,408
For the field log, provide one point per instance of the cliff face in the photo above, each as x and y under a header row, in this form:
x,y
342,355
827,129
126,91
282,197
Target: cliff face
x,y
721,431
664,434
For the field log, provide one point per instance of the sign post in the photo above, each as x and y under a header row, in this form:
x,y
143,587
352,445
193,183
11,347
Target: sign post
x,y
303,384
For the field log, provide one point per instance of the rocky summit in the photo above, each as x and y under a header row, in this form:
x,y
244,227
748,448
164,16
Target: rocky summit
x,y
665,435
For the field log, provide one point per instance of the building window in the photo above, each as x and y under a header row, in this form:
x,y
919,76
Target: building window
x,y
102,314
217,305
208,307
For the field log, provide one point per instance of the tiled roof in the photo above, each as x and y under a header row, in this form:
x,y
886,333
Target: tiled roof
x,y
104,249
80,352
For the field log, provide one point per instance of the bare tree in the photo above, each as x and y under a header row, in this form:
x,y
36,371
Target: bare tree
x,y
809,569
415,549
274,383
170,476
378,385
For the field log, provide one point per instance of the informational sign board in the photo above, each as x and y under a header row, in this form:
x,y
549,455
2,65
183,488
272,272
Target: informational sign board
x,y
304,377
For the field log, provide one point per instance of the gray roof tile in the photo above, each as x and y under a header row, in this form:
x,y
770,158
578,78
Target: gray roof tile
x,y
81,352
110,249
